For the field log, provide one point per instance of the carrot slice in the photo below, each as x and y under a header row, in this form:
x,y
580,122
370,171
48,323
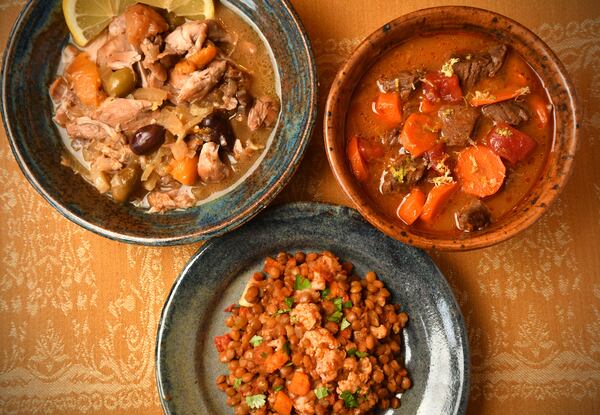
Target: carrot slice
x,y
185,171
300,384
436,200
83,75
480,171
504,94
282,404
411,206
204,56
276,361
418,134
357,163
540,109
389,107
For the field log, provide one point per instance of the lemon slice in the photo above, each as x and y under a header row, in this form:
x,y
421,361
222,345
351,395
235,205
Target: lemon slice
x,y
87,18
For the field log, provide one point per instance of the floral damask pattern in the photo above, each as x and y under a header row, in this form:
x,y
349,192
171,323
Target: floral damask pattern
x,y
78,331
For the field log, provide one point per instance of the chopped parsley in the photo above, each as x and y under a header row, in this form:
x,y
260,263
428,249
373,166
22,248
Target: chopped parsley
x,y
345,324
289,301
447,68
336,317
282,311
348,304
503,131
355,352
484,95
321,392
278,388
256,340
349,399
237,382
293,319
398,173
338,303
301,283
325,293
258,401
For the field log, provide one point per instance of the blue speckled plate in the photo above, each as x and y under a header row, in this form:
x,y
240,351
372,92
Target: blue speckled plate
x,y
30,61
436,347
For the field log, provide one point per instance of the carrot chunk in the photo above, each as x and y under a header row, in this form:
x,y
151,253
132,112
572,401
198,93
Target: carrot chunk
x,y
419,134
300,384
480,171
389,107
357,163
436,200
276,361
185,171
411,206
282,404
539,109
84,77
204,56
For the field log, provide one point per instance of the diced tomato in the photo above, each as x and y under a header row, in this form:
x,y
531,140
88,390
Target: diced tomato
x,y
221,342
437,157
437,86
276,361
510,143
370,149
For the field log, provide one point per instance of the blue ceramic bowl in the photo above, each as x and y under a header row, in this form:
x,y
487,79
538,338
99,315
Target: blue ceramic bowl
x,y
435,339
30,61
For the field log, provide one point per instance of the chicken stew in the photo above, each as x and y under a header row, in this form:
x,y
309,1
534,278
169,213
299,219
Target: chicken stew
x,y
166,112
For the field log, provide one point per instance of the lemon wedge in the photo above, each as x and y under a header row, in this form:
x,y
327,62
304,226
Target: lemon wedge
x,y
87,18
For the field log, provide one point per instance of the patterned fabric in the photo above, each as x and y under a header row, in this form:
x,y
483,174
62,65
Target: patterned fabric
x,y
77,330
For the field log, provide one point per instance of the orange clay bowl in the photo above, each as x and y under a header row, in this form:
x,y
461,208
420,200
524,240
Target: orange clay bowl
x,y
547,65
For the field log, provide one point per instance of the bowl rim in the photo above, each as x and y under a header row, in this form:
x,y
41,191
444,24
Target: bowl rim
x,y
269,193
337,159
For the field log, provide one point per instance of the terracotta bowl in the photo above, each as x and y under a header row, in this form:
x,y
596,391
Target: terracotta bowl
x,y
547,65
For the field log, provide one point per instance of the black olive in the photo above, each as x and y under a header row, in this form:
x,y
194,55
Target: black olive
x,y
147,139
220,129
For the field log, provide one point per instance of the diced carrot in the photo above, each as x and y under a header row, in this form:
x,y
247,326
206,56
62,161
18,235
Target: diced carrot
x,y
261,353
204,56
84,77
499,95
282,404
389,107
428,107
480,171
418,134
436,200
411,206
185,171
357,163
276,361
540,109
300,384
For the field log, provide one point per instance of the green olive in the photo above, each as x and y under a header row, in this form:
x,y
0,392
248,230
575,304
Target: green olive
x,y
120,83
125,182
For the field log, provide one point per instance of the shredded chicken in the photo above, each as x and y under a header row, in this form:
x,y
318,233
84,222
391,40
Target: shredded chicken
x,y
210,167
200,83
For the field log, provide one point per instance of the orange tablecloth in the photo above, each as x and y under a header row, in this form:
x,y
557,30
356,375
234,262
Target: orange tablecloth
x,y
78,313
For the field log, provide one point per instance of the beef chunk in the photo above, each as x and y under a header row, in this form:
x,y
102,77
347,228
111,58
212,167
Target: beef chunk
x,y
509,112
404,82
471,68
401,173
473,217
391,137
458,122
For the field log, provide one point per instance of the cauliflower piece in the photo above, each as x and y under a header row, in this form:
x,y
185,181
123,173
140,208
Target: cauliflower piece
x,y
307,314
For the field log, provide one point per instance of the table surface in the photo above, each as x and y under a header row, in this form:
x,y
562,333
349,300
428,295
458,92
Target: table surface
x,y
78,313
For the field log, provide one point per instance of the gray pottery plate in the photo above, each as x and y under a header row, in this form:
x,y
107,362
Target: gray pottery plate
x,y
436,350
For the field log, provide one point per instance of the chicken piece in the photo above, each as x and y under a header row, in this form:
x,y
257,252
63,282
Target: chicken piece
x,y
210,167
117,53
185,39
153,72
307,314
65,101
200,83
264,113
125,114
303,405
88,129
174,199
